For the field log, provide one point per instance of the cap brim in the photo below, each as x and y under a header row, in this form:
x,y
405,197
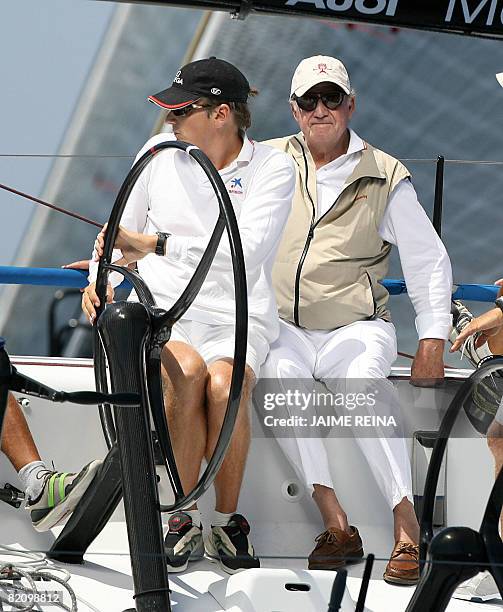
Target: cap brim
x,y
173,98
499,77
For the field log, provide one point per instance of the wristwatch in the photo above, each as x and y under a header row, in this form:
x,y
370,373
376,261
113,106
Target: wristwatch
x,y
499,303
160,247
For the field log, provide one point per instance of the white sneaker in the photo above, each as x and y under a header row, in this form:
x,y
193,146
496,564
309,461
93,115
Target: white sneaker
x,y
230,546
60,495
183,542
480,588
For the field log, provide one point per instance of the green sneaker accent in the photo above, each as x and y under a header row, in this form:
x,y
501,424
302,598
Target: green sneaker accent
x,y
50,500
60,494
62,485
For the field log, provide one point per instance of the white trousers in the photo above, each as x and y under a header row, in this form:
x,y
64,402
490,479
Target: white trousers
x,y
364,350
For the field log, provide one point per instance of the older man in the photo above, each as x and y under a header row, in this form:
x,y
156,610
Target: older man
x,y
207,106
352,203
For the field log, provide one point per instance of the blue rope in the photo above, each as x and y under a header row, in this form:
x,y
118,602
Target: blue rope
x,y
57,277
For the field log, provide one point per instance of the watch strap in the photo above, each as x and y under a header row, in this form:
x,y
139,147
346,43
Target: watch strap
x,y
160,247
499,303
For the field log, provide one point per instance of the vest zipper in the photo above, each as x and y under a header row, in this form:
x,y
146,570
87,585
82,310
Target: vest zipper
x,y
371,318
310,235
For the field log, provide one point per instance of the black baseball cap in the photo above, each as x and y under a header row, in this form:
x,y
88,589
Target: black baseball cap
x,y
208,78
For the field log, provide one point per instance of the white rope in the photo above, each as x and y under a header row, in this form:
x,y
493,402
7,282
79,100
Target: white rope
x,y
36,565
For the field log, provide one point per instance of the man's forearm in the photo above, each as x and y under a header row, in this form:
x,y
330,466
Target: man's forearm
x,y
432,345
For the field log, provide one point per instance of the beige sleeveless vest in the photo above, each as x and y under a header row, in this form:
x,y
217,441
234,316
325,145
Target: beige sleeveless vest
x,y
327,271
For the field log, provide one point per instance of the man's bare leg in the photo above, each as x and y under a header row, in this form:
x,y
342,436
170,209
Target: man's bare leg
x,y
495,431
230,476
339,543
331,511
184,376
495,343
20,449
229,543
17,441
406,527
495,443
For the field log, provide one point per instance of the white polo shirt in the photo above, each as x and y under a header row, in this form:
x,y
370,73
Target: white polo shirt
x,y
174,195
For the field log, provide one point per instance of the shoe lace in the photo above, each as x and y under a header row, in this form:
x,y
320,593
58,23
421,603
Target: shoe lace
x,y
327,536
44,474
406,548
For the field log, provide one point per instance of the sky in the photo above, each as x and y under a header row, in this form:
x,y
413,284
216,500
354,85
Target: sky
x,y
45,60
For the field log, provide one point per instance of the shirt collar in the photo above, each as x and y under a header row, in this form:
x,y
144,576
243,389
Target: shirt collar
x,y
245,155
356,144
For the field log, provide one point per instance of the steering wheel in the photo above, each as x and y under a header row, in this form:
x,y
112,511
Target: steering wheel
x,y
426,524
162,322
5,372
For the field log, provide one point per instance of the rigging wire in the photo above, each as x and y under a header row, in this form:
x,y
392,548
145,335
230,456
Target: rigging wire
x,y
65,156
427,160
52,206
100,225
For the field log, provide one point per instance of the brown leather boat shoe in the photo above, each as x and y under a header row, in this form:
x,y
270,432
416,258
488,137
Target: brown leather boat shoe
x,y
403,566
335,548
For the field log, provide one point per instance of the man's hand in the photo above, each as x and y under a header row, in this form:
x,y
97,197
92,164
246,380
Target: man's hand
x,y
428,365
90,300
488,324
82,264
134,246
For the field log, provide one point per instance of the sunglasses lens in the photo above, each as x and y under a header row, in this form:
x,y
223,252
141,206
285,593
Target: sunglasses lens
x,y
180,112
332,101
307,103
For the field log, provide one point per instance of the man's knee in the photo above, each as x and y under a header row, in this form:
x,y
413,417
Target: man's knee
x,y
219,382
495,439
183,364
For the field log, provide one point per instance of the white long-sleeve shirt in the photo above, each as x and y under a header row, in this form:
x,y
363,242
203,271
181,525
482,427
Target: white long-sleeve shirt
x,y
174,195
425,263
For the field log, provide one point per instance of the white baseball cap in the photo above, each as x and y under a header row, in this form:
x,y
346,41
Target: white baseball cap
x,y
499,76
319,69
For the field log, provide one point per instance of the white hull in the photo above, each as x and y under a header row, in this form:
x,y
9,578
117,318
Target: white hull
x,y
283,527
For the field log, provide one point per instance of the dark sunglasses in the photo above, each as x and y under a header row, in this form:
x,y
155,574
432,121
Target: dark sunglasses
x,y
186,110
308,102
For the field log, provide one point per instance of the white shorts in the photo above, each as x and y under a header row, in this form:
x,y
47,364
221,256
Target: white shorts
x,y
215,342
